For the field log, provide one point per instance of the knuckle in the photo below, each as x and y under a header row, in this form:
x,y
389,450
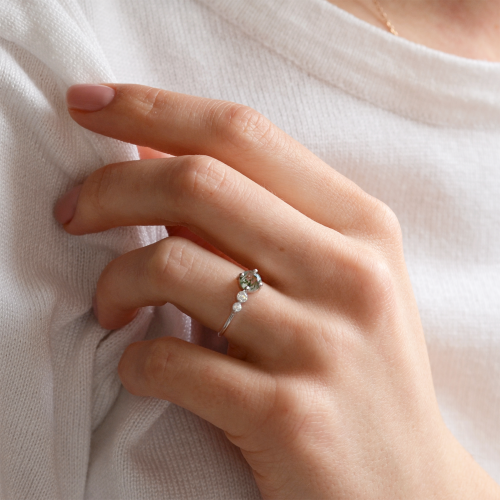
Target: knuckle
x,y
383,221
100,185
200,177
374,272
156,367
244,128
369,282
153,103
388,222
375,283
170,264
206,182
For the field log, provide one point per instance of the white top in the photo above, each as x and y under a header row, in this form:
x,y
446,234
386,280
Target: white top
x,y
414,127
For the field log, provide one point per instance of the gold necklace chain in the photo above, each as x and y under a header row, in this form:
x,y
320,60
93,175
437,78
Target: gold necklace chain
x,y
385,19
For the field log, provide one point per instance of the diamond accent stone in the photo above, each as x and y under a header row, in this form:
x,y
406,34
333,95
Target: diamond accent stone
x,y
242,296
236,307
250,281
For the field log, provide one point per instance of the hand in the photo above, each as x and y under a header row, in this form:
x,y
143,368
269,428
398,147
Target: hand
x,y
326,386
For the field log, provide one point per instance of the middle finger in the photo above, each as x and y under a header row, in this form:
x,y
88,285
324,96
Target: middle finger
x,y
230,211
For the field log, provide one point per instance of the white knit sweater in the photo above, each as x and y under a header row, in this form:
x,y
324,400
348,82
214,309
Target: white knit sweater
x,y
414,127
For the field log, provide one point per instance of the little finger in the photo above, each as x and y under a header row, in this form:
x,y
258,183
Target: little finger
x,y
229,393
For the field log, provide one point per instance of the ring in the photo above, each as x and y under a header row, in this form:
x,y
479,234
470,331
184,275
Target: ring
x,y
250,281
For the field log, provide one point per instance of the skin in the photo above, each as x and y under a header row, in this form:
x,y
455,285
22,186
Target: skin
x,y
466,28
326,387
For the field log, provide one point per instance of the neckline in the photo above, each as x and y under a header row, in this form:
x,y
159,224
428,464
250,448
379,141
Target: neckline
x,y
369,63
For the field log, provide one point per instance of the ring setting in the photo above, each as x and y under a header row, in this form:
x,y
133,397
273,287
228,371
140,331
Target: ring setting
x,y
250,282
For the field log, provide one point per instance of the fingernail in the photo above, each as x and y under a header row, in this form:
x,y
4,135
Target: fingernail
x,y
94,307
65,208
85,97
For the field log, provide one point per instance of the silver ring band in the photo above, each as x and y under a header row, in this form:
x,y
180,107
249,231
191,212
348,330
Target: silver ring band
x,y
250,281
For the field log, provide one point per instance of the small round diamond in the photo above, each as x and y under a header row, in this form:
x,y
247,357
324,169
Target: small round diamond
x,y
242,296
250,281
236,307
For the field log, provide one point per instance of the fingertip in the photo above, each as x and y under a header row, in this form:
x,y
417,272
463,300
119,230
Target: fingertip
x,y
130,366
65,208
146,153
115,321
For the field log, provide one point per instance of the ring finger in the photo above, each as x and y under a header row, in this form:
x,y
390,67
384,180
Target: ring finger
x,y
198,282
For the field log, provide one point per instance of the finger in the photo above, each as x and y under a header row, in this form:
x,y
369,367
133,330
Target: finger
x,y
184,232
229,393
239,136
148,153
239,217
197,282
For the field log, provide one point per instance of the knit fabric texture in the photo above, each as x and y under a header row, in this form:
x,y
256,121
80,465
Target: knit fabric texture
x,y
417,128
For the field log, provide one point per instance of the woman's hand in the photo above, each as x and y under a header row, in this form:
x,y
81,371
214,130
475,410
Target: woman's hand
x,y
326,387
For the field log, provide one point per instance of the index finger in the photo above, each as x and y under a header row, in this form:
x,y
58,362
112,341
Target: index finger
x,y
238,136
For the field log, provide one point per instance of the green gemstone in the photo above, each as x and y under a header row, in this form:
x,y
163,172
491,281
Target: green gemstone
x,y
250,281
